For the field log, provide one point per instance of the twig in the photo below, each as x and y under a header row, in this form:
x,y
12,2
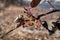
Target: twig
x,y
10,31
50,12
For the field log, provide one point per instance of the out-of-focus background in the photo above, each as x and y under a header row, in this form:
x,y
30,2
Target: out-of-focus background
x,y
10,9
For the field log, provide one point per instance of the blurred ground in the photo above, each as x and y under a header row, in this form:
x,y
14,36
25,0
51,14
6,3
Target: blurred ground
x,y
7,23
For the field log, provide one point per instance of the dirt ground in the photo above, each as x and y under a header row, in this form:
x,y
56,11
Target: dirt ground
x,y
7,23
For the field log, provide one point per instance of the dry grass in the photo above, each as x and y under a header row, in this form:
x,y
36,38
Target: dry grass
x,y
7,23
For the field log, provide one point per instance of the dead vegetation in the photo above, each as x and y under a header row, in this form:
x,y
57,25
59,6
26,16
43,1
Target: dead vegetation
x,y
7,23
